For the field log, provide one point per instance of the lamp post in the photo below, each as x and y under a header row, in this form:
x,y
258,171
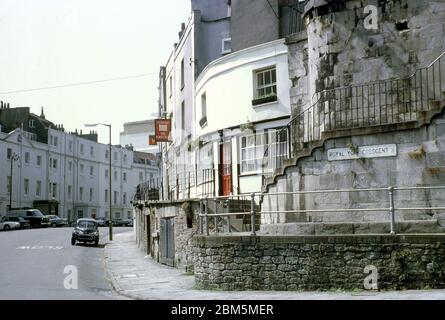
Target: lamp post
x,y
14,157
110,224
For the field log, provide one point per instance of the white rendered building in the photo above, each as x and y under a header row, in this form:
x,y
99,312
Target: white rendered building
x,y
69,175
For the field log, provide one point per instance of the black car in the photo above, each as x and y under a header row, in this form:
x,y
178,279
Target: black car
x,y
35,218
23,223
56,221
86,230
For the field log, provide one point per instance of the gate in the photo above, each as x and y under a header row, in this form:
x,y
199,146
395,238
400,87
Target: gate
x,y
167,242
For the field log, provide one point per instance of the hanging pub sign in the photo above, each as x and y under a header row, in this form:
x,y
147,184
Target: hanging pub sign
x,y
162,130
152,140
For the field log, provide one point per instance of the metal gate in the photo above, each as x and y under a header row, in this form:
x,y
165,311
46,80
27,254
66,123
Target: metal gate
x,y
167,241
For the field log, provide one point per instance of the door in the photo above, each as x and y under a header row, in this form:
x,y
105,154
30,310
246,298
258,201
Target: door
x,y
167,242
225,169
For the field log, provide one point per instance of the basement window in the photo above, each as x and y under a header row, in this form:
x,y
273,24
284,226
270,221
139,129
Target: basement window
x,y
402,25
189,222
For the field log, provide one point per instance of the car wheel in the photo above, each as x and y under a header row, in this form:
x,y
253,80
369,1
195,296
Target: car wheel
x,y
6,227
73,241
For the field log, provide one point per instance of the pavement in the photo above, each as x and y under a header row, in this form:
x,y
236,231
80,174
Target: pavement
x,y
135,275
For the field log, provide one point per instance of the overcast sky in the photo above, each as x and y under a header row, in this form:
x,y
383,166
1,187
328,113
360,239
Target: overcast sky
x,y
56,42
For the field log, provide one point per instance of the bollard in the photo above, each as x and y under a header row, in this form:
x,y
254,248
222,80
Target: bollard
x,y
392,210
252,214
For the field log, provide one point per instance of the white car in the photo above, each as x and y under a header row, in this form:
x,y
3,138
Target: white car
x,y
9,225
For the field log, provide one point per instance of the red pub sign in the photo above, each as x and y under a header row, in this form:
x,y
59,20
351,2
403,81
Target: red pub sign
x,y
162,130
152,140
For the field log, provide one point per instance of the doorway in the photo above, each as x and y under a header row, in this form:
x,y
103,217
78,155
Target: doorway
x,y
167,242
225,168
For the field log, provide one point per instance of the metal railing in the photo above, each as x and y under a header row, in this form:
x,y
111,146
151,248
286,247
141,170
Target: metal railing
x,y
385,102
291,18
149,190
255,198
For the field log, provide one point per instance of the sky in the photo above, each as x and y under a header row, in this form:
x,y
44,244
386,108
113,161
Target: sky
x,y
46,43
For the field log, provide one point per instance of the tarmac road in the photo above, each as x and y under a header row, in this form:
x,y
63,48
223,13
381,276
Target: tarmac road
x,y
33,262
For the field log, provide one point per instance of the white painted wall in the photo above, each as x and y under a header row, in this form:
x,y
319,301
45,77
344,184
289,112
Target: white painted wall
x,y
229,86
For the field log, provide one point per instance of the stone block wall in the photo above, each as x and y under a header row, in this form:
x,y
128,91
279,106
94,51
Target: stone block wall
x,y
419,162
148,236
319,263
342,52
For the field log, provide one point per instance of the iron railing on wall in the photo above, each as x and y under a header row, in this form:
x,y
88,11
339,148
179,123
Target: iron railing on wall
x,y
380,103
291,17
149,190
388,205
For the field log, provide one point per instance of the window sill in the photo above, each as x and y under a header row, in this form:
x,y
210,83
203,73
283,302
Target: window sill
x,y
248,174
264,100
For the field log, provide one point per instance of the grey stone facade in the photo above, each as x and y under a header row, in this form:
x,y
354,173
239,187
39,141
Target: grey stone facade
x,y
148,234
419,161
333,66
319,263
342,52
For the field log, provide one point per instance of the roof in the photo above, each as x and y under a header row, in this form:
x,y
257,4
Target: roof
x,y
86,219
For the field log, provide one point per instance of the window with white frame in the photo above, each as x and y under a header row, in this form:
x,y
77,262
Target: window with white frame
x,y
31,124
265,82
205,164
26,157
26,187
38,188
39,161
262,148
81,148
81,193
226,45
252,152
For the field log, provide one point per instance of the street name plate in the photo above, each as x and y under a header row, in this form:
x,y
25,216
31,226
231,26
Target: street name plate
x,y
385,150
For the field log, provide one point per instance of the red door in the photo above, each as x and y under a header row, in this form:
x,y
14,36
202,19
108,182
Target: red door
x,y
225,168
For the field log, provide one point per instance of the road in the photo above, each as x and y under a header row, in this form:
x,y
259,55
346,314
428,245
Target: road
x,y
33,263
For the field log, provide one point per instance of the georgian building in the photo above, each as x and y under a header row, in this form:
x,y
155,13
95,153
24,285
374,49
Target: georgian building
x,y
65,173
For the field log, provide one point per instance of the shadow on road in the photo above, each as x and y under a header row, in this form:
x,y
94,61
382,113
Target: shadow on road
x,y
91,245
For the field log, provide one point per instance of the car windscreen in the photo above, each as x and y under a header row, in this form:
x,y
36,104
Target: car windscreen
x,y
87,225
36,213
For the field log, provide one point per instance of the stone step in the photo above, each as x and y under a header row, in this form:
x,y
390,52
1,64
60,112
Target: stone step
x,y
409,226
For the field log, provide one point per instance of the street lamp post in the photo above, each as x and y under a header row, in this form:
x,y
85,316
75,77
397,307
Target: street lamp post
x,y
110,224
14,157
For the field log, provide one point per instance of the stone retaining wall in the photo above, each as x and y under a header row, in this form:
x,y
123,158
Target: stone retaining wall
x,y
318,262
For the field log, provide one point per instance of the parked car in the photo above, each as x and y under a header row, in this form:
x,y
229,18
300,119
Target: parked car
x,y
85,231
24,224
35,218
9,225
56,221
101,222
118,223
127,222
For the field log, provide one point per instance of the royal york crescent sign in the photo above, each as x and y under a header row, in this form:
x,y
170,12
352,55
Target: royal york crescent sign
x,y
379,151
